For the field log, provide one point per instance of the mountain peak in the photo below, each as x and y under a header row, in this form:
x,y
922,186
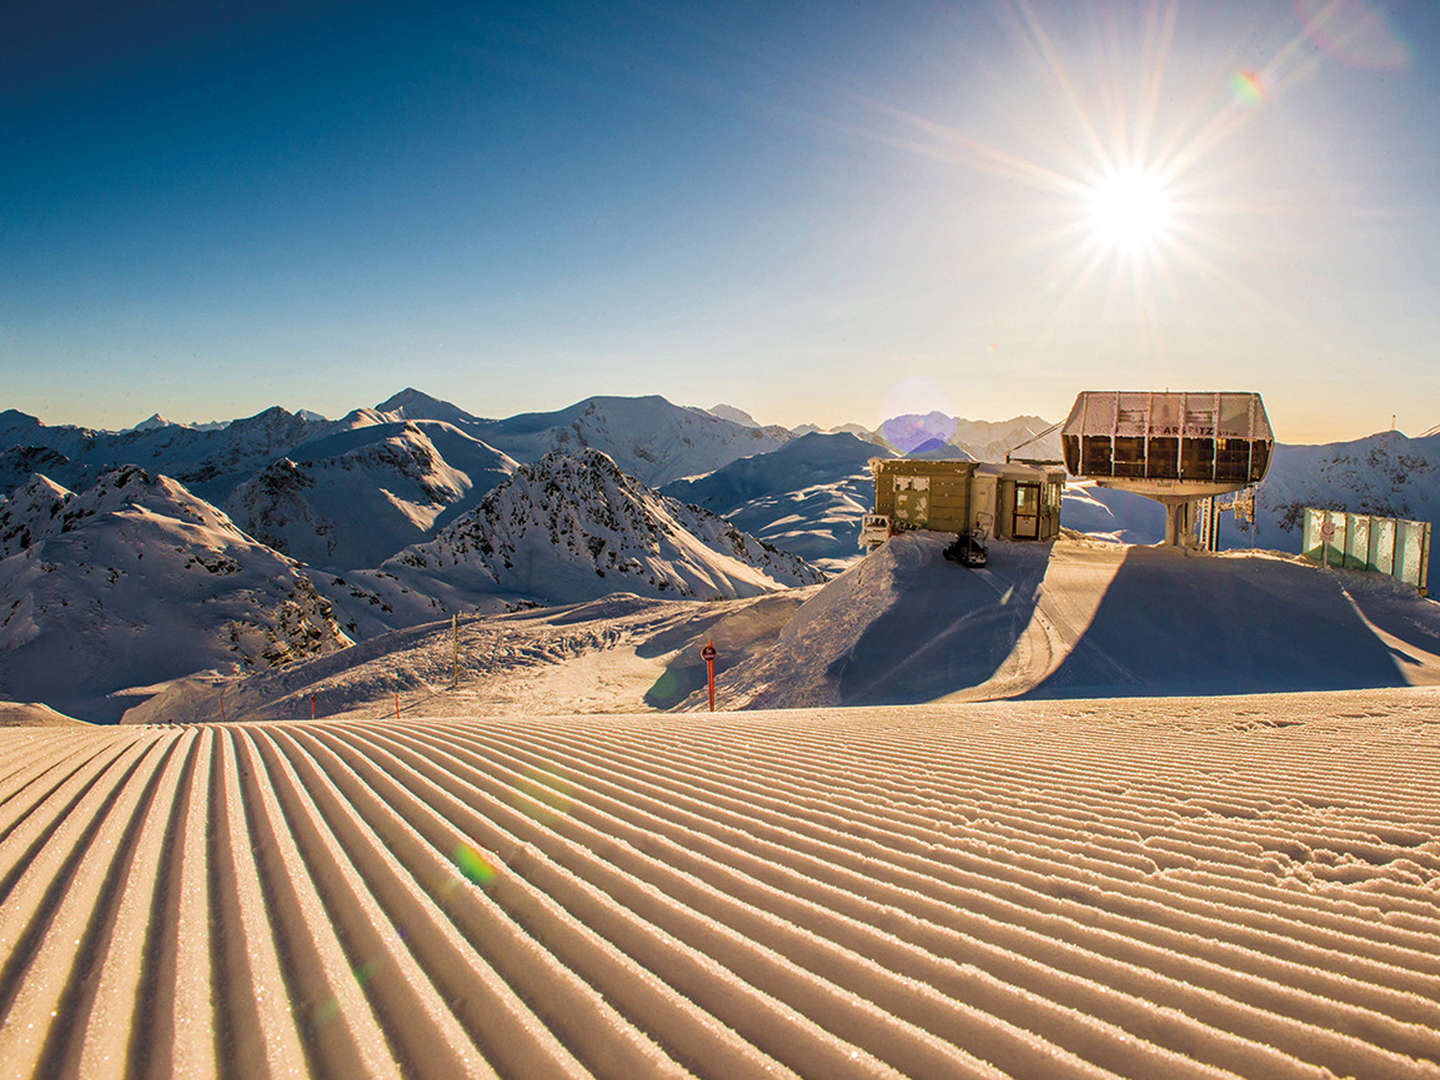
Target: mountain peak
x,y
734,415
574,526
412,404
16,418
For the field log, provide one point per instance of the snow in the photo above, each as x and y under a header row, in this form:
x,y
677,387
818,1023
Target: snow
x,y
575,527
411,404
355,498
808,496
135,581
734,415
1083,618
648,437
387,509
1234,886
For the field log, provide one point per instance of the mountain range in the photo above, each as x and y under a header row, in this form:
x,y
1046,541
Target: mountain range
x,y
129,558
134,581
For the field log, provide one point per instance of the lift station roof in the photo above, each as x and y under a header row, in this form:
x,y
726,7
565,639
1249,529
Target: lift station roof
x,y
1168,444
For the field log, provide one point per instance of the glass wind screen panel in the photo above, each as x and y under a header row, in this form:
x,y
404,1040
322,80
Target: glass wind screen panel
x,y
1099,412
1408,536
1310,533
1333,535
1165,414
1382,545
1234,419
1357,544
1133,414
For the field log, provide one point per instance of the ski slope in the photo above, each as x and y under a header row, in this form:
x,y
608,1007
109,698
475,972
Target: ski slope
x,y
1163,887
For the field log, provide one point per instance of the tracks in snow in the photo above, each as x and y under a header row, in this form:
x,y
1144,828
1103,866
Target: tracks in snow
x,y
935,891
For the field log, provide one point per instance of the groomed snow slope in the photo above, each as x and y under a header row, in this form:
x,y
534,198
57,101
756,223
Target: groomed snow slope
x,y
1177,888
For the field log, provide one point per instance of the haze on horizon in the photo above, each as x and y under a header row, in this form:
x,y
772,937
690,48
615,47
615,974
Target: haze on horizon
x,y
816,214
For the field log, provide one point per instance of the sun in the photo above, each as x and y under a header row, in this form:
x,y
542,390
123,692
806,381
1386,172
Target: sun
x,y
1130,209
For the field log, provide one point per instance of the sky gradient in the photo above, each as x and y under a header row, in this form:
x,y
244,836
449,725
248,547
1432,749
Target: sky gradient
x,y
817,212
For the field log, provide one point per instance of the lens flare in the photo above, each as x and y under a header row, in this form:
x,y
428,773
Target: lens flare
x,y
1355,32
474,865
1246,87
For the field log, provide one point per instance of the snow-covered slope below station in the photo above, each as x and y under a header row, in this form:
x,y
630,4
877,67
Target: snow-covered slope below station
x,y
1086,619
135,581
1083,619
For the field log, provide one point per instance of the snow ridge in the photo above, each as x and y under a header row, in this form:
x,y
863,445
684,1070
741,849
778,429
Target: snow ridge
x,y
648,437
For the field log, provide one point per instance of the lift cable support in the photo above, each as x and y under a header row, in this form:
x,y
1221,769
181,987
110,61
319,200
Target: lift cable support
x,y
1035,438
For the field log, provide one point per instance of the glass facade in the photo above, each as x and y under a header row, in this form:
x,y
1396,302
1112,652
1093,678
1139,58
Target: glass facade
x,y
1209,438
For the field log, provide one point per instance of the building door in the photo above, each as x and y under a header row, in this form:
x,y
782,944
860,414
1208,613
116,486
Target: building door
x,y
1027,512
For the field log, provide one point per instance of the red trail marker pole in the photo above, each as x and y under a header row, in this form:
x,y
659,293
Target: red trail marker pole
x,y
222,707
312,706
708,655
397,705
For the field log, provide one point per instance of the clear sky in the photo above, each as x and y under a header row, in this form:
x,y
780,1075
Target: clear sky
x,y
819,212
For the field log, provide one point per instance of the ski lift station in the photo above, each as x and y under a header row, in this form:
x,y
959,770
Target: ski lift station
x,y
1004,501
1176,448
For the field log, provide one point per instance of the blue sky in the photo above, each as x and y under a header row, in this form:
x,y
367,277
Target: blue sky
x,y
818,212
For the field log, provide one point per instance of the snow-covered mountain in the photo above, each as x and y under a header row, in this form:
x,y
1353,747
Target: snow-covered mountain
x,y
734,415
648,437
18,463
905,433
940,450
982,440
354,498
807,497
137,580
211,462
411,404
573,527
155,420
1081,618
